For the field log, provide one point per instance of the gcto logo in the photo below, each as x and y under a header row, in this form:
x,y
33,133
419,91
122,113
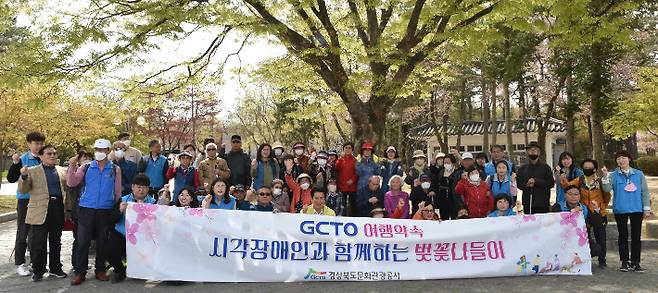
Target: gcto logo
x,y
315,275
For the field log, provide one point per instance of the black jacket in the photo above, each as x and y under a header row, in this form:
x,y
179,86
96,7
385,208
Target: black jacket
x,y
541,192
240,165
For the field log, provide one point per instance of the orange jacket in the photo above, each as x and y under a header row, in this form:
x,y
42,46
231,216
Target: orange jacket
x,y
297,193
587,195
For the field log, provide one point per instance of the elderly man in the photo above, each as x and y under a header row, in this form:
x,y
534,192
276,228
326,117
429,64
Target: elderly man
x,y
536,180
369,197
263,202
128,167
130,154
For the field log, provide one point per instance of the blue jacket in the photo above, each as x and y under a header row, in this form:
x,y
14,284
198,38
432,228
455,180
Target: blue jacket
x,y
490,168
559,191
260,174
156,170
182,180
624,202
27,160
218,203
387,170
365,168
509,212
565,208
498,187
121,225
363,206
128,172
98,189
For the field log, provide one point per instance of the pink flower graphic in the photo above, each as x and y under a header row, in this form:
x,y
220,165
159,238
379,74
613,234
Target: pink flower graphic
x,y
196,212
529,218
149,231
145,212
569,219
582,236
131,230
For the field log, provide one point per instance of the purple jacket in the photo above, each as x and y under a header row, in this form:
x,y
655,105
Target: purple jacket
x,y
391,203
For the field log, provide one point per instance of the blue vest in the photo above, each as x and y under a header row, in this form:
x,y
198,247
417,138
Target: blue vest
x,y
258,180
498,187
509,212
565,208
559,191
121,225
155,170
218,203
98,189
624,202
27,160
182,180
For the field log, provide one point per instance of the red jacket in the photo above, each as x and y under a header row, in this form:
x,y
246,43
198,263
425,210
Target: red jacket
x,y
478,199
346,168
297,194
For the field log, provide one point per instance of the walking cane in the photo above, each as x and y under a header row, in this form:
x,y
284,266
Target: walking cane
x,y
532,189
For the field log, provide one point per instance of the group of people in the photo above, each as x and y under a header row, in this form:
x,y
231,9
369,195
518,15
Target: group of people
x,y
93,193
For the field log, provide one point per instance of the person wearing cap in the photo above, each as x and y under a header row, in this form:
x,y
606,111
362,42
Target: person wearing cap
x,y
419,167
424,193
155,166
128,168
369,197
426,212
102,188
45,211
467,160
631,202
390,167
212,167
190,148
279,150
474,193
321,170
438,160
318,206
332,157
301,190
130,153
535,179
202,154
366,165
301,159
239,163
240,195
497,155
347,178
335,199
185,175
264,169
35,141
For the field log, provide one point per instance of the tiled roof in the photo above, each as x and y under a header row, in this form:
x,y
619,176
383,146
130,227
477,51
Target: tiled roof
x,y
471,127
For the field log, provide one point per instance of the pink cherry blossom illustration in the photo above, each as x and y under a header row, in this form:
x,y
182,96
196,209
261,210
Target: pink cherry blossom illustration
x,y
145,212
149,231
529,218
196,212
131,230
582,236
569,219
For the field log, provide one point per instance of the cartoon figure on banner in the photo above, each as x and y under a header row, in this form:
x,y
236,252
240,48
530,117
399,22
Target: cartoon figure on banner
x,y
522,265
535,264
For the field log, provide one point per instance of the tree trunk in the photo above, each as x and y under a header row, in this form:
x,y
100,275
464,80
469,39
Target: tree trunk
x,y
486,111
570,111
595,90
339,128
434,121
462,112
524,109
494,117
444,134
508,118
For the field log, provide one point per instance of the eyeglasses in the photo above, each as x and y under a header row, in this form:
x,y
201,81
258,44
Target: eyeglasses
x,y
265,194
119,149
141,187
211,149
427,211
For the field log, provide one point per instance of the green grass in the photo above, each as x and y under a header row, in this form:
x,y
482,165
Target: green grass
x,y
4,174
7,204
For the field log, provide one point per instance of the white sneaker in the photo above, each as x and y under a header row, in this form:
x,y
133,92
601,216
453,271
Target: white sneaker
x,y
23,270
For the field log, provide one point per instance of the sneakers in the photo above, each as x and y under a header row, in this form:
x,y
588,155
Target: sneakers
x,y
117,278
36,277
625,267
23,270
58,274
637,268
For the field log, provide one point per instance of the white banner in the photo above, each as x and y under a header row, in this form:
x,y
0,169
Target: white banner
x,y
170,243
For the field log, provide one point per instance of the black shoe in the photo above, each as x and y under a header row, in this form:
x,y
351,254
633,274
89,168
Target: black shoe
x,y
117,278
637,268
603,264
59,274
625,267
36,277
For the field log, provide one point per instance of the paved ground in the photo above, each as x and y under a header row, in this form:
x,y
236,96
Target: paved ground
x,y
609,280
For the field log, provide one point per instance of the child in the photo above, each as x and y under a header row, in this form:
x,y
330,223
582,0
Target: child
x,y
219,198
504,206
394,196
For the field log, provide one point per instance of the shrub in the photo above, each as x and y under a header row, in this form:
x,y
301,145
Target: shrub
x,y
648,165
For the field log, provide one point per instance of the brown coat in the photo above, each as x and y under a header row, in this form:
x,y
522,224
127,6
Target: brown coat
x,y
587,196
36,185
210,169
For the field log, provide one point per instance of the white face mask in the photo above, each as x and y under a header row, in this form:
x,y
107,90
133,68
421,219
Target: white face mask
x,y
120,154
277,191
99,156
425,185
127,143
474,177
322,162
331,188
305,186
448,167
299,152
278,152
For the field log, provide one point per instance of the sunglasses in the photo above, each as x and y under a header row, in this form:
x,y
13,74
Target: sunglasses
x,y
236,141
264,194
211,149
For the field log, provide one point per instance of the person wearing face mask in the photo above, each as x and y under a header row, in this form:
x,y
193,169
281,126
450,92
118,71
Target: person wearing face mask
x,y
424,193
631,202
321,170
593,196
130,153
335,199
301,189
128,168
390,167
347,178
444,181
101,181
279,150
366,165
535,179
280,198
301,159
419,168
474,193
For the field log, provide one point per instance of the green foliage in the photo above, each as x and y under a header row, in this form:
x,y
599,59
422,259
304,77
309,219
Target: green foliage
x,y
648,165
637,110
